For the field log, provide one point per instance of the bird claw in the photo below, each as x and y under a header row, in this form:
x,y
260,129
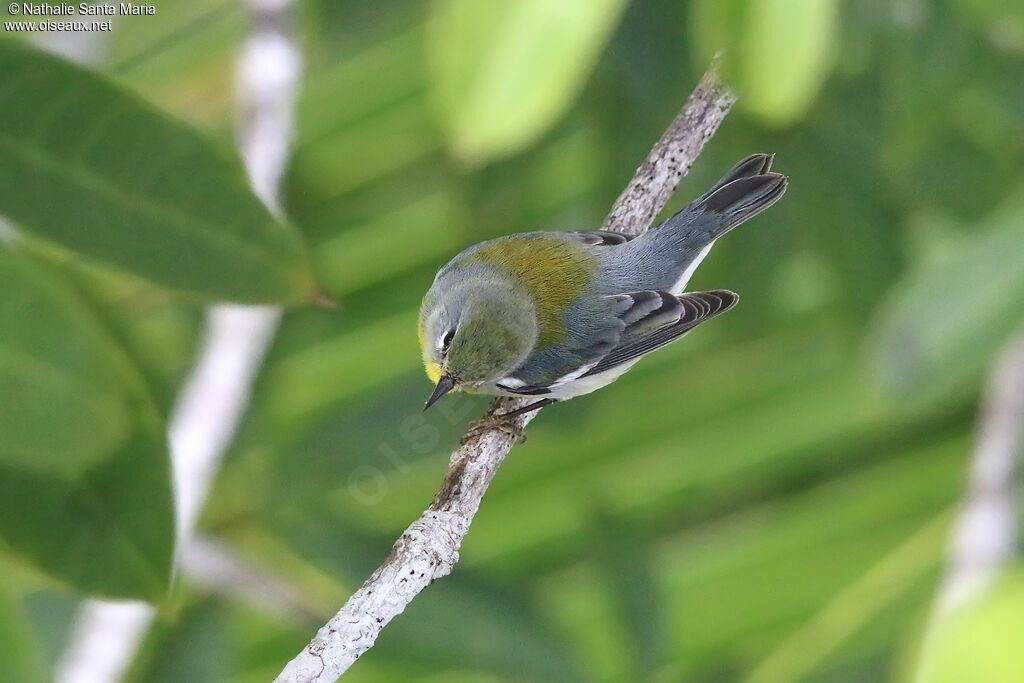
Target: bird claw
x,y
500,422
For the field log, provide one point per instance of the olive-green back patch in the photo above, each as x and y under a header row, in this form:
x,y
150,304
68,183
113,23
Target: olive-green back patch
x,y
554,271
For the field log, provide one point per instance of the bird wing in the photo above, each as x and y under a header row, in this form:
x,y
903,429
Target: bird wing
x,y
612,330
549,368
593,326
646,335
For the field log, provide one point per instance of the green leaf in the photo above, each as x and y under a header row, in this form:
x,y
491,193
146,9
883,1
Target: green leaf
x,y
197,647
64,406
109,533
787,55
88,165
777,52
84,479
945,320
18,651
503,72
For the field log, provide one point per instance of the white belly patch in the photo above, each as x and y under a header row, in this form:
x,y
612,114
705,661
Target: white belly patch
x,y
585,385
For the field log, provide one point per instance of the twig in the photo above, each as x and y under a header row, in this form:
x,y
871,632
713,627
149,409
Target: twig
x,y
429,548
106,634
671,157
985,533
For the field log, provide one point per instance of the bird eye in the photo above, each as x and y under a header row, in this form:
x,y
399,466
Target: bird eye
x,y
446,341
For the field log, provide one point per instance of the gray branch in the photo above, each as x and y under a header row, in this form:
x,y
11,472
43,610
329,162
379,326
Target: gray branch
x,y
985,536
670,159
429,548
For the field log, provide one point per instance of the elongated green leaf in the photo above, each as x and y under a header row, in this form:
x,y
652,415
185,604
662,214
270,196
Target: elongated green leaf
x,y
787,55
84,478
505,71
110,532
945,320
64,406
777,52
89,166
196,648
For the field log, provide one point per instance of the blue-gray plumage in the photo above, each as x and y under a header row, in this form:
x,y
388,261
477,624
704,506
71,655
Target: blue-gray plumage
x,y
556,315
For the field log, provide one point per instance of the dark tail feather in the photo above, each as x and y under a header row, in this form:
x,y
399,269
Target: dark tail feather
x,y
744,198
754,165
745,191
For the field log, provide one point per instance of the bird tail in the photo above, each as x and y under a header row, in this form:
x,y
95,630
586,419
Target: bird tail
x,y
665,257
746,190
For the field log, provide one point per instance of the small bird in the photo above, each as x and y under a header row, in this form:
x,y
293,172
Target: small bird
x,y
555,315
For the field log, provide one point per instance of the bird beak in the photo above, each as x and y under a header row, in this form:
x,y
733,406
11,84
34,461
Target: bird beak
x,y
444,385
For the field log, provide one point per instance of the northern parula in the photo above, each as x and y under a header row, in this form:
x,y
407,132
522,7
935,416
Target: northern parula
x,y
559,314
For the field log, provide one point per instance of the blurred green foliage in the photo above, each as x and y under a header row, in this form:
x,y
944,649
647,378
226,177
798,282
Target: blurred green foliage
x,y
101,173
776,52
977,642
19,653
504,72
767,501
83,447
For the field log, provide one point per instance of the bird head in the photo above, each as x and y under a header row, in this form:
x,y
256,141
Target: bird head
x,y
473,332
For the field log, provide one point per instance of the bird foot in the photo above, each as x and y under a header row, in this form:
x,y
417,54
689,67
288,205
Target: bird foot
x,y
501,422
